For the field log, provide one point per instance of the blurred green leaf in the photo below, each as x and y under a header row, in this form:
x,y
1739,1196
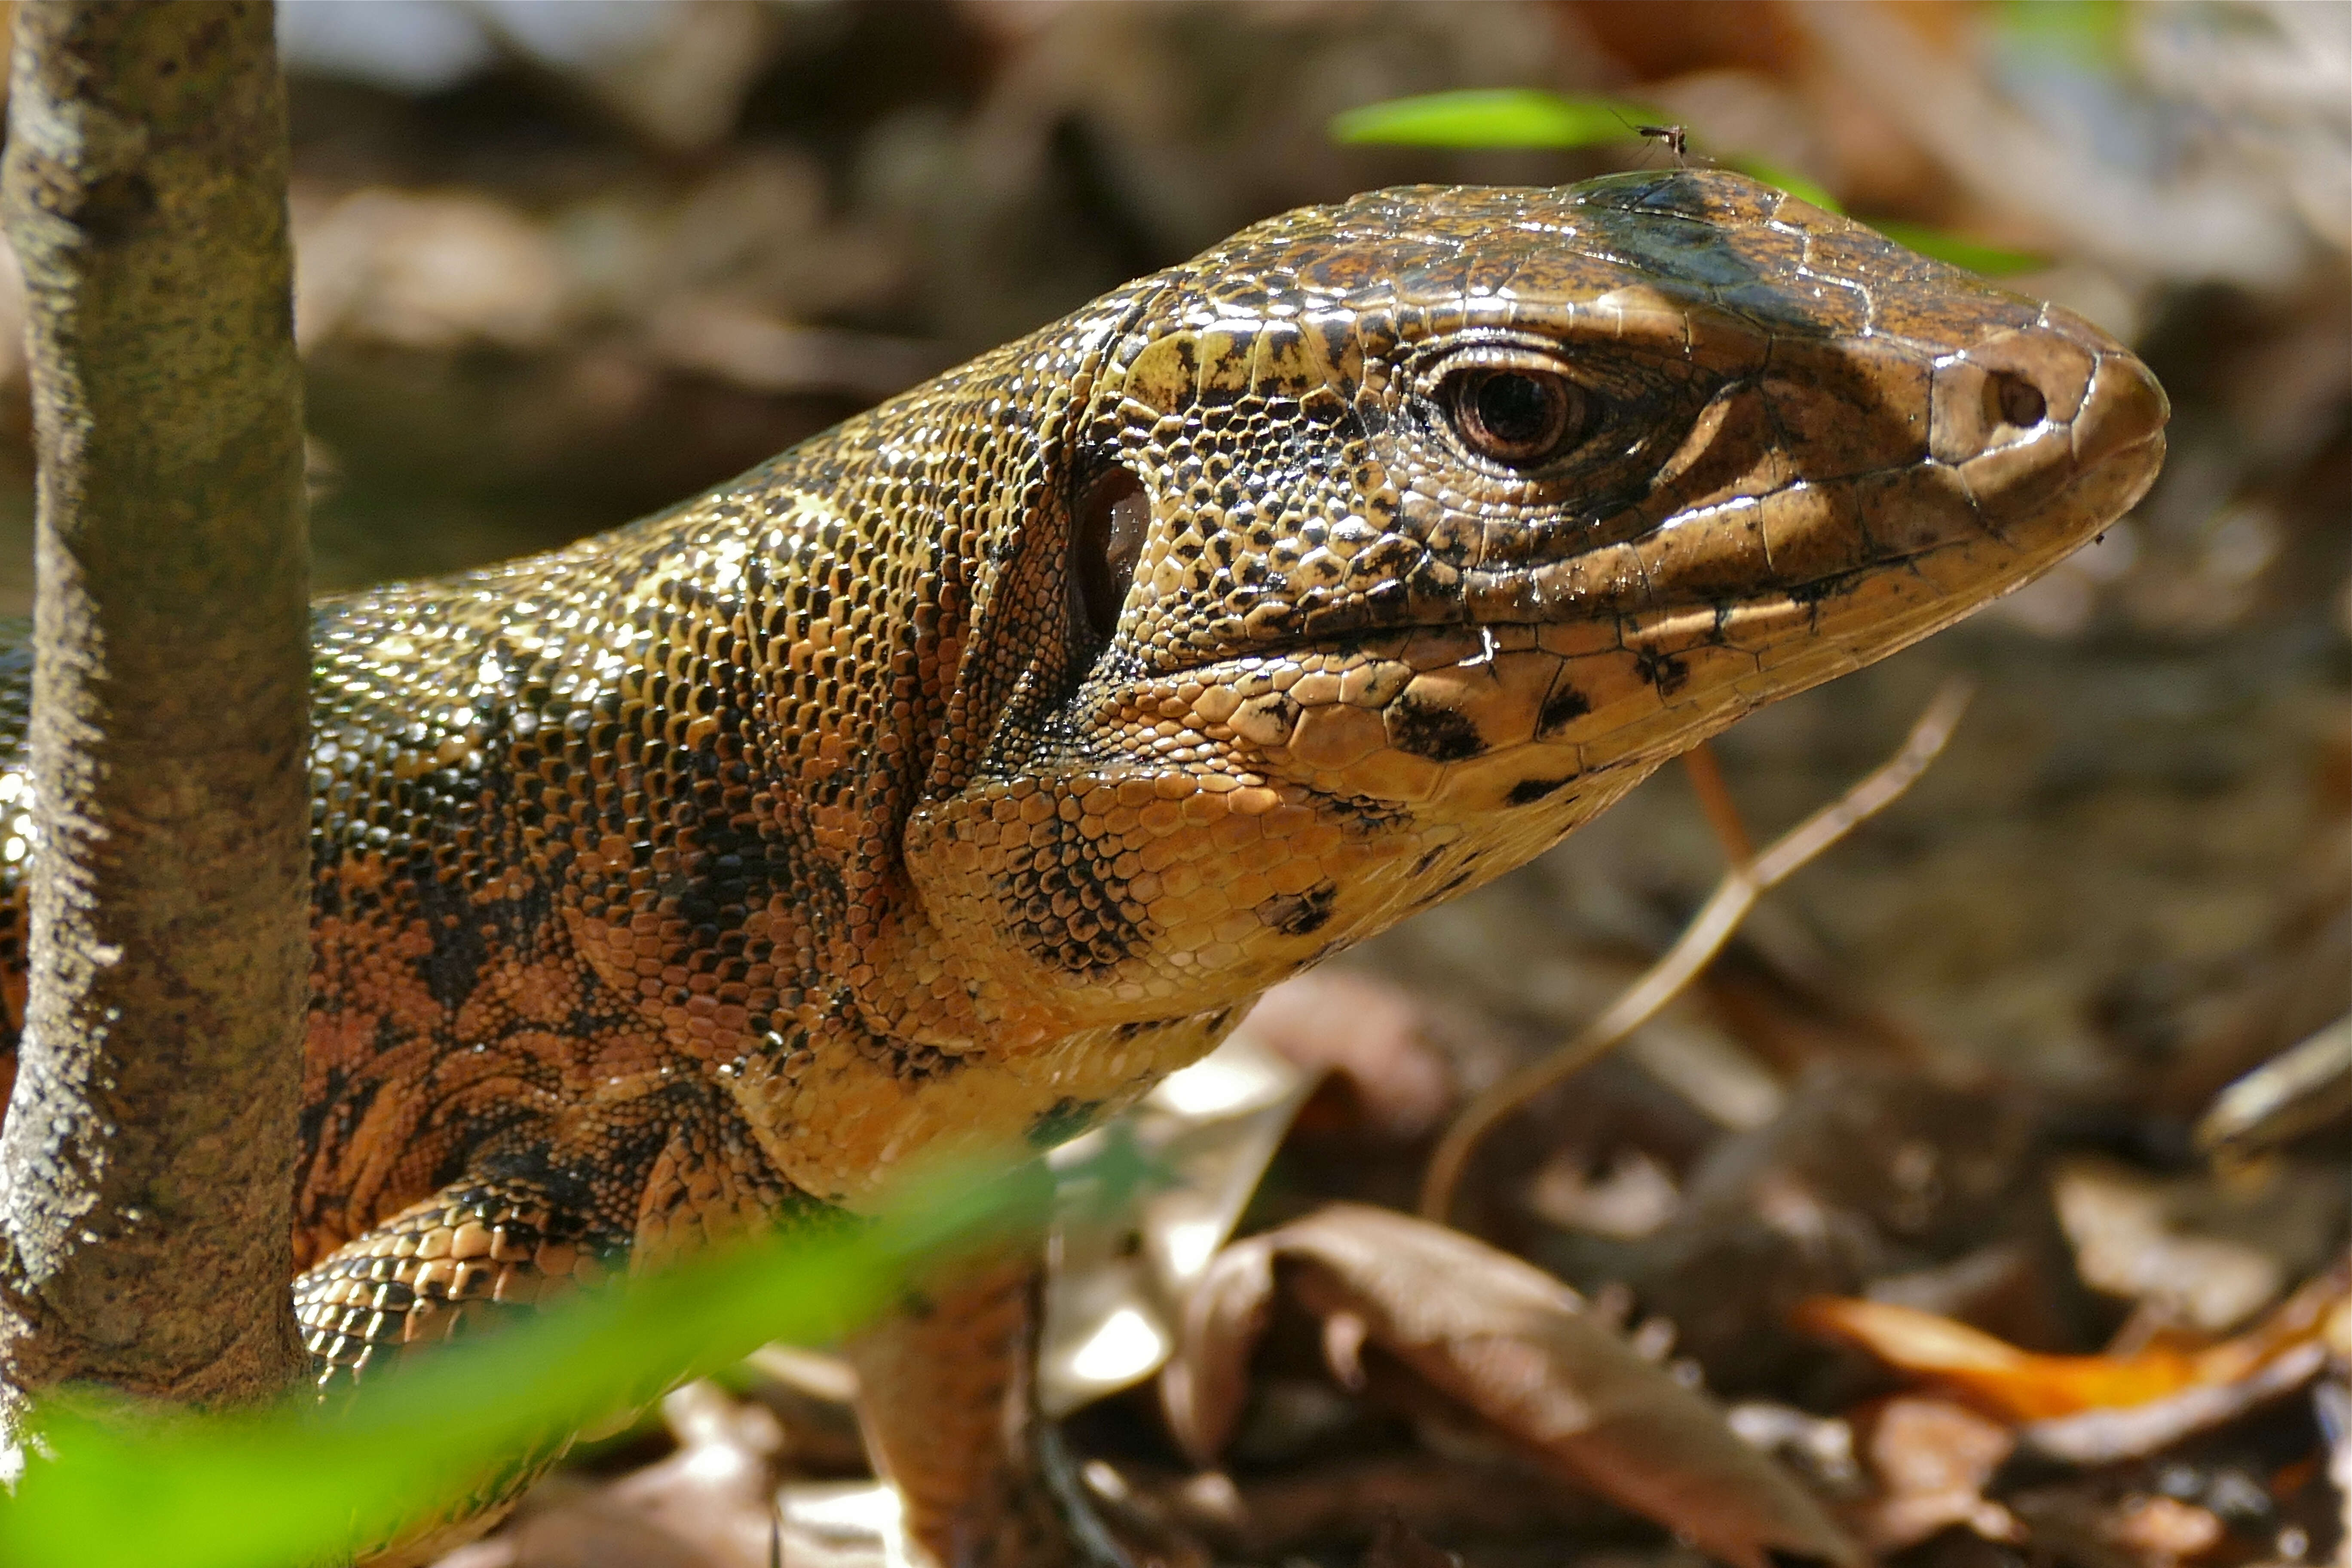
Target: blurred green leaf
x,y
1495,117
1526,118
1788,180
1991,260
307,1481
2088,32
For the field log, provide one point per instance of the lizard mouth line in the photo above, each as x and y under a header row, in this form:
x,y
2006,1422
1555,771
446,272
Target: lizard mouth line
x,y
1490,612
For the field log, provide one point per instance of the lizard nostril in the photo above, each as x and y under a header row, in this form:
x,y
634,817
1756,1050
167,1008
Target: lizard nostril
x,y
2017,400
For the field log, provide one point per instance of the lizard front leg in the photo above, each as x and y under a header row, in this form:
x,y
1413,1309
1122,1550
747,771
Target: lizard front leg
x,y
530,1222
479,1249
486,1248
947,1402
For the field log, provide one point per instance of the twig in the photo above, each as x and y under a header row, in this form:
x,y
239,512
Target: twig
x,y
1699,942
1706,772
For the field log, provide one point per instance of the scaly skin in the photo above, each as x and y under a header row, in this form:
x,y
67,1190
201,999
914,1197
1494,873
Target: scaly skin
x,y
704,873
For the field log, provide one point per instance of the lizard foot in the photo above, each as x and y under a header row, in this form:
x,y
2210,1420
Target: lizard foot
x,y
947,1403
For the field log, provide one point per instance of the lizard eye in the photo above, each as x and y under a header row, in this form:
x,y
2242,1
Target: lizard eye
x,y
1518,416
1106,543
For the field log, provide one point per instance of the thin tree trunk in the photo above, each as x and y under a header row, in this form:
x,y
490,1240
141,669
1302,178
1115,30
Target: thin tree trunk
x,y
145,1169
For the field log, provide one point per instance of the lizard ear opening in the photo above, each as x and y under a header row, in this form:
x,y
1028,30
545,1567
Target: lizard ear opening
x,y
1106,530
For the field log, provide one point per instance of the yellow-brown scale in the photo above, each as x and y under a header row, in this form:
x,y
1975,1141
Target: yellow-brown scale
x,y
941,783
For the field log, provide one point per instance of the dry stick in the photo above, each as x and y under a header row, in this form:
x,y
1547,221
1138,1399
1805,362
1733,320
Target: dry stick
x,y
1698,944
1714,798
1739,848
146,1194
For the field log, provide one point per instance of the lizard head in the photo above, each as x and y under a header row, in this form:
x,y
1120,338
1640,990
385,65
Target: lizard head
x,y
1398,537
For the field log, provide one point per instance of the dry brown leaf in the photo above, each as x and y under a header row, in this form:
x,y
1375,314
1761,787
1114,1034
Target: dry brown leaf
x,y
1373,1039
1931,1460
2202,1252
2104,1437
2014,1384
2021,1387
2165,1530
1516,1347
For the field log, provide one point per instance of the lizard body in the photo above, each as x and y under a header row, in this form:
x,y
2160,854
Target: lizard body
x,y
941,783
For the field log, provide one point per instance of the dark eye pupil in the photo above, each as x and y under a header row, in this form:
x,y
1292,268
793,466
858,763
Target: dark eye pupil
x,y
1522,418
1517,410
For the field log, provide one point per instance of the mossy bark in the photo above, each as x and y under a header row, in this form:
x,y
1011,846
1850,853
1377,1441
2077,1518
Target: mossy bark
x,y
144,1168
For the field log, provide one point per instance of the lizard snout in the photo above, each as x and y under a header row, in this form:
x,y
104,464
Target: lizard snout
x,y
2029,413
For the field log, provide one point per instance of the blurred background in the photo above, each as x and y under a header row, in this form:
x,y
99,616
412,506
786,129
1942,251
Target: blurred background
x,y
561,264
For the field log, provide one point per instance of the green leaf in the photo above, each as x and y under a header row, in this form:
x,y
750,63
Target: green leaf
x,y
1495,117
1788,180
2096,33
1525,118
308,1482
1976,255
